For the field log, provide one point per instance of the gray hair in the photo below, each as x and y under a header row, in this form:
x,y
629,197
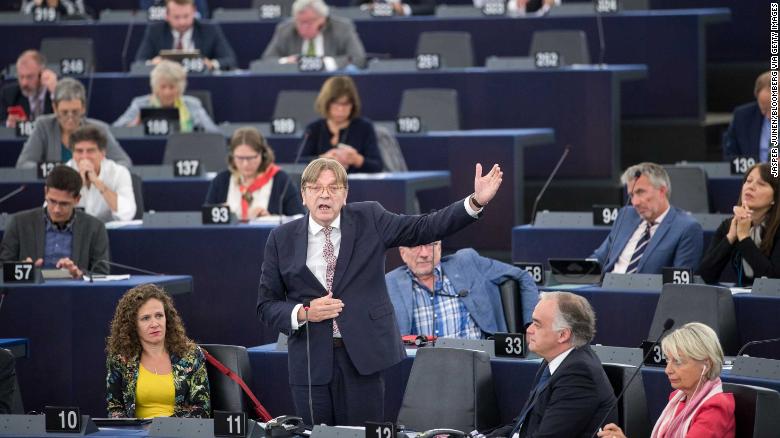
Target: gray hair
x,y
70,89
762,81
169,71
574,313
318,6
655,173
697,341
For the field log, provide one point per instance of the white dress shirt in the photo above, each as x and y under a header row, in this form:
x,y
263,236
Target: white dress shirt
x,y
117,179
625,257
186,39
555,363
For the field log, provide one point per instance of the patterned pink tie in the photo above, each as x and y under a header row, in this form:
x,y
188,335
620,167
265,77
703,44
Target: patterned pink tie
x,y
330,258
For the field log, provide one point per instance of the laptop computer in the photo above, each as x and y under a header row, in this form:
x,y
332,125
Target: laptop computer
x,y
575,271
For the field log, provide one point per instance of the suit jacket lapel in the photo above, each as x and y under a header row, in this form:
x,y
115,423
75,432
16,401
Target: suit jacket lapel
x,y
663,228
79,231
39,234
301,242
345,249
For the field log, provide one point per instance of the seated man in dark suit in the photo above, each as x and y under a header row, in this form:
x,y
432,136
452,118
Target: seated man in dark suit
x,y
181,31
465,284
402,8
311,32
748,133
651,234
30,96
58,236
571,391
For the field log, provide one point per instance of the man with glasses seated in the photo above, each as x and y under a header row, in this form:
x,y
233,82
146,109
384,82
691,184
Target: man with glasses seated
x,y
50,140
58,236
462,289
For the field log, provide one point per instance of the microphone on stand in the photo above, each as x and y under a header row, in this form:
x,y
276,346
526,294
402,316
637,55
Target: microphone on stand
x,y
118,265
751,343
547,183
13,193
668,324
287,183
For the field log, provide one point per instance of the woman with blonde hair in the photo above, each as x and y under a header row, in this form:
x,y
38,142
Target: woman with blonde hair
x,y
698,407
169,81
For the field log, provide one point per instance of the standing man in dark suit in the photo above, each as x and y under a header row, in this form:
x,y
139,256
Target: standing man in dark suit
x,y
313,32
181,31
30,96
58,236
323,285
651,234
748,133
571,391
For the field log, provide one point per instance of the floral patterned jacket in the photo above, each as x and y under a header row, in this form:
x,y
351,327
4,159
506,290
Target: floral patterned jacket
x,y
190,381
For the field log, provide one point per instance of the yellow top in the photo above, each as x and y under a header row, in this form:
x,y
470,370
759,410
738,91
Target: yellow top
x,y
154,394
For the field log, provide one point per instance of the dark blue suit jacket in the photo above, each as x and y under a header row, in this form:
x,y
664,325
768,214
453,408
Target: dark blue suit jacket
x,y
208,38
744,133
678,242
291,205
367,323
571,403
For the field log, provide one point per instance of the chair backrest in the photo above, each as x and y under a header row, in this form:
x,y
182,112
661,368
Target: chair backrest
x,y
756,410
454,48
226,395
392,157
710,305
437,108
226,15
138,193
298,105
571,45
512,304
57,49
209,148
632,408
205,99
689,188
450,388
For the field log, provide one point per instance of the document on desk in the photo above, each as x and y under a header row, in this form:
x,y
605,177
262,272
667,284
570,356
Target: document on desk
x,y
101,277
740,290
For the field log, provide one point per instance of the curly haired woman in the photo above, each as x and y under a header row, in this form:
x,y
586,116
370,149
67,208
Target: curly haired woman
x,y
154,369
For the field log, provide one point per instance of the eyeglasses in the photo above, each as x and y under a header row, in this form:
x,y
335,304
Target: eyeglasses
x,y
63,205
317,190
432,246
247,159
73,114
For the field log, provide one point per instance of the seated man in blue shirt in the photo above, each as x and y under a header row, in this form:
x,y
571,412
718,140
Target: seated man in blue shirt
x,y
58,236
466,285
650,234
748,133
